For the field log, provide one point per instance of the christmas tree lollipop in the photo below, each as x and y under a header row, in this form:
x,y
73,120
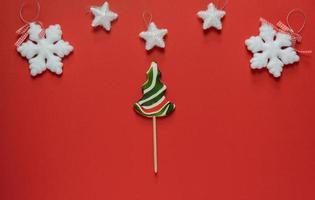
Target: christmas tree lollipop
x,y
153,103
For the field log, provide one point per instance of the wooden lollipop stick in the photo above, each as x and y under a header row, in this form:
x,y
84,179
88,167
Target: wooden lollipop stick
x,y
155,146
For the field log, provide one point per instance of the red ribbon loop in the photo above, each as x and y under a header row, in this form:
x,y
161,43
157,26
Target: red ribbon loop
x,y
296,37
283,28
23,33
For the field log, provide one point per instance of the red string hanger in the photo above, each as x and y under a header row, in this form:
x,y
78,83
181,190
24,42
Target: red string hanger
x,y
298,11
296,36
147,17
23,5
23,31
222,4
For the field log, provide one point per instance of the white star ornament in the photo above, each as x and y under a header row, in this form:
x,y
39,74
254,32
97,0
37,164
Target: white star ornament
x,y
103,16
153,37
211,17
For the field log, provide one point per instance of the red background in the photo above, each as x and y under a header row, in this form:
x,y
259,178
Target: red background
x,y
236,133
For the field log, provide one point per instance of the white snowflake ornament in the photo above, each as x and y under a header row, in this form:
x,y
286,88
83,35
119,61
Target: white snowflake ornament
x,y
211,17
271,49
153,37
45,52
103,16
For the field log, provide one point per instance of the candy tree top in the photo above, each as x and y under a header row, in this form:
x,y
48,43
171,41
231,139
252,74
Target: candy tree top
x,y
153,102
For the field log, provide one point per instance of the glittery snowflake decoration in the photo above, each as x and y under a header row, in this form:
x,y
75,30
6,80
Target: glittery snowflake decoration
x,y
271,49
45,52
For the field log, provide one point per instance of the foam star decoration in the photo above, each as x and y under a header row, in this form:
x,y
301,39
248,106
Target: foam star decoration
x,y
211,17
103,16
153,37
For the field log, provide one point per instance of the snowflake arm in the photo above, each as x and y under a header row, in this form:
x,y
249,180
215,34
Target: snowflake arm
x,y
34,32
28,49
62,48
37,65
54,64
284,40
254,44
259,61
288,56
275,66
53,33
267,33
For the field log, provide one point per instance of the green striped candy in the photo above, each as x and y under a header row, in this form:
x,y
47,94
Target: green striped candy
x,y
153,102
